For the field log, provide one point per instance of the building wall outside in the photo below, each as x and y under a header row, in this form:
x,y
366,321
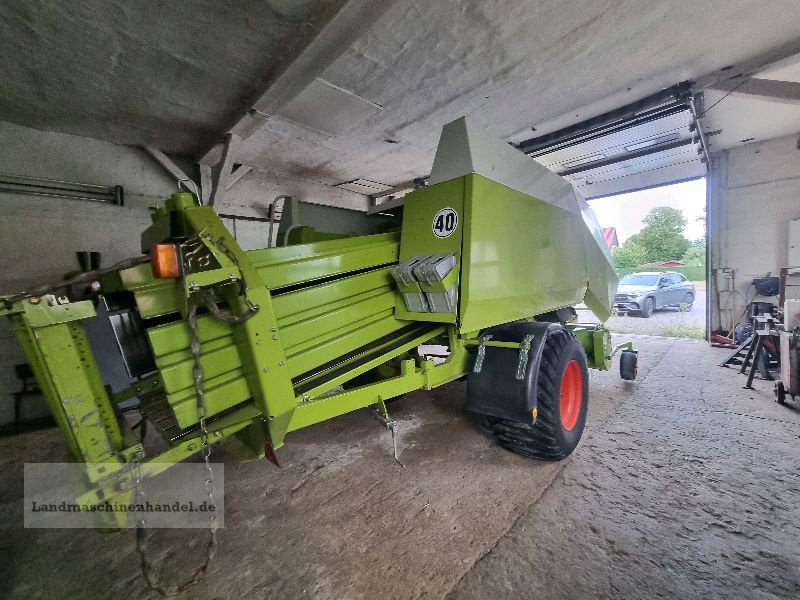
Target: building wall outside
x,y
753,193
40,235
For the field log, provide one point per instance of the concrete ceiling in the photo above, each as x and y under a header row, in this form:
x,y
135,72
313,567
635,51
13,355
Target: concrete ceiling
x,y
178,76
512,66
170,74
745,110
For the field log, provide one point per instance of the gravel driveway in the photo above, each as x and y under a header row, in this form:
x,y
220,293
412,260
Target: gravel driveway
x,y
668,322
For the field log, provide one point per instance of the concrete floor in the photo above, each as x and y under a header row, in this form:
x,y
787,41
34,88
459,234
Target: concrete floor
x,y
685,486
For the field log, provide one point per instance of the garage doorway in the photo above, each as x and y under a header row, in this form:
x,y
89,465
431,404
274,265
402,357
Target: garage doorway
x,y
657,237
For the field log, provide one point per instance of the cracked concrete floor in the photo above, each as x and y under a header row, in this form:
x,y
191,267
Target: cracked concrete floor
x,y
685,486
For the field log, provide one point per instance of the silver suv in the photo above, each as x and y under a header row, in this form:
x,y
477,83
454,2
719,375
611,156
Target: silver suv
x,y
645,292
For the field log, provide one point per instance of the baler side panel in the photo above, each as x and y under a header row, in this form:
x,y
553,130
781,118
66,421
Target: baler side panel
x,y
418,239
522,256
321,313
602,277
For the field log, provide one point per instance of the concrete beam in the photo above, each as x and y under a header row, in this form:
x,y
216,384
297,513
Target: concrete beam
x,y
166,162
206,183
775,58
237,174
222,172
352,20
785,92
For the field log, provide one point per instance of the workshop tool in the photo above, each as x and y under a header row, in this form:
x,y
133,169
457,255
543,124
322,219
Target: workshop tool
x,y
764,327
789,383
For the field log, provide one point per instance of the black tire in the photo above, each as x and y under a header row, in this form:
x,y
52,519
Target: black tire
x,y
628,365
780,393
648,308
688,302
548,438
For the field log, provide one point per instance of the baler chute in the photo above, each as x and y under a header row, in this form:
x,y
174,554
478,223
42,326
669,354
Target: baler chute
x,y
490,259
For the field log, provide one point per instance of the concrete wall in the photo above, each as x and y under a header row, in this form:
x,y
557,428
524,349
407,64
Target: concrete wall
x,y
39,236
753,193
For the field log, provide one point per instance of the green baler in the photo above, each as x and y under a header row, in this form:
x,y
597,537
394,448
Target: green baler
x,y
240,348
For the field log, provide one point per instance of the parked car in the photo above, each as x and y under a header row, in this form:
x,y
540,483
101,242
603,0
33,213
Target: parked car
x,y
645,292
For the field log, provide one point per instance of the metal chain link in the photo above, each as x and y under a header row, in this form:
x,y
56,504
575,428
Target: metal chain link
x,y
251,308
202,412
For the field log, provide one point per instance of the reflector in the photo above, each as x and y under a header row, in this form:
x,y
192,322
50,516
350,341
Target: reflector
x,y
164,260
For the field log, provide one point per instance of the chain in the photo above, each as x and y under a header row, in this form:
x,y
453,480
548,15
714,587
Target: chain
x,y
202,412
251,308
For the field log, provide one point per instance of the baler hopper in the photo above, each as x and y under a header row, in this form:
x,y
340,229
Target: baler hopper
x,y
241,348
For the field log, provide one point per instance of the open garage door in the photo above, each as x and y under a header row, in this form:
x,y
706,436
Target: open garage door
x,y
653,142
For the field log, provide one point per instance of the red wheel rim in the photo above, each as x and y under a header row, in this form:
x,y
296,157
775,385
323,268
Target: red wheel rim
x,y
571,395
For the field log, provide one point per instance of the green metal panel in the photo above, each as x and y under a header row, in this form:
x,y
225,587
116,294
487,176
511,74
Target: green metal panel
x,y
603,279
257,339
522,256
303,304
316,411
278,267
418,238
61,359
282,267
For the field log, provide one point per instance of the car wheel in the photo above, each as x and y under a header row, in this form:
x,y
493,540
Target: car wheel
x,y
648,308
687,302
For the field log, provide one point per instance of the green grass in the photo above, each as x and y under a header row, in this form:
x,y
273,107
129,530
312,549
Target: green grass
x,y
695,332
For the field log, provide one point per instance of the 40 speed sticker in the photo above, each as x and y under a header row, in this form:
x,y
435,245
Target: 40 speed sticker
x,y
445,222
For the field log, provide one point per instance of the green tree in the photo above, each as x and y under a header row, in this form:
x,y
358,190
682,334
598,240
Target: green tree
x,y
695,256
660,239
662,235
629,255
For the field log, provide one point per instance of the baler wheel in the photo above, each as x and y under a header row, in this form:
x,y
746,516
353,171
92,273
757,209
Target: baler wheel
x,y
562,403
628,365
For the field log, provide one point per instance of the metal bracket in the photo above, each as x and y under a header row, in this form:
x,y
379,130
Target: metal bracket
x,y
524,347
383,416
481,353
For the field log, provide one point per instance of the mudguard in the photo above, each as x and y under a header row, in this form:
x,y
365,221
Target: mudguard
x,y
495,391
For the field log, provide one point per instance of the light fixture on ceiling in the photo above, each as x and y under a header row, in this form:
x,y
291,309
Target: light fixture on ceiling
x,y
363,186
